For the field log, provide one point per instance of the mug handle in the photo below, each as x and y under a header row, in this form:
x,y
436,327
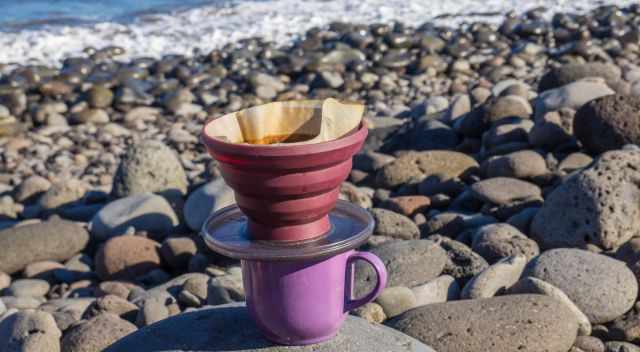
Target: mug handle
x,y
381,274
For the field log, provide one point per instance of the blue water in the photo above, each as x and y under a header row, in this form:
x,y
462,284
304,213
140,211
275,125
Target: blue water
x,y
19,14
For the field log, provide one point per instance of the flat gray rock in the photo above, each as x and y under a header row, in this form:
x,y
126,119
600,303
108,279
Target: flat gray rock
x,y
602,287
229,328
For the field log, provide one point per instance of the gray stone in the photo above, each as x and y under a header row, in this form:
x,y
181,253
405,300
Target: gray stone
x,y
391,224
29,332
229,328
50,240
525,164
498,324
28,288
552,129
619,346
371,161
572,95
150,166
496,241
439,290
603,288
572,72
462,263
144,212
507,106
31,188
504,190
153,310
573,162
177,251
205,200
599,205
537,286
408,263
494,279
371,312
5,280
396,300
416,166
96,334
21,303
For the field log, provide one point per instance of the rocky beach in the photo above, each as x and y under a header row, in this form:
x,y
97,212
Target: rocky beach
x,y
502,168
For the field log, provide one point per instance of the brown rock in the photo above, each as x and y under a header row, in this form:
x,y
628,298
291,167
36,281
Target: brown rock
x,y
127,257
408,205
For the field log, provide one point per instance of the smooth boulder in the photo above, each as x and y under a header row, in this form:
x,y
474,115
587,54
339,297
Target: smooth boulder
x,y
498,324
603,288
55,240
229,328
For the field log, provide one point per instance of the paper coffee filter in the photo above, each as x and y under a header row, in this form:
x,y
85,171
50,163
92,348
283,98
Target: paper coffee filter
x,y
290,122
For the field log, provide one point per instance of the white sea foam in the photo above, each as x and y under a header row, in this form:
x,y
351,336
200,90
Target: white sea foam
x,y
280,21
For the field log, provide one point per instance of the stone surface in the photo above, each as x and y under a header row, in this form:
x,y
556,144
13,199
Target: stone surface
x,y
371,312
572,72
525,164
507,106
537,286
29,332
149,166
620,346
508,323
603,288
462,263
230,328
49,240
62,193
495,279
408,263
96,334
127,257
177,251
396,300
143,212
608,123
504,190
391,224
599,205
28,288
496,241
408,205
416,166
205,200
439,290
572,95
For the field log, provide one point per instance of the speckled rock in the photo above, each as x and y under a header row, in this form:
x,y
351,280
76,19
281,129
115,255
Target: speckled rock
x,y
608,123
462,263
603,288
496,278
62,193
416,166
537,286
391,224
49,240
496,241
408,263
143,212
149,166
30,332
127,257
371,312
500,324
96,334
599,205
229,327
620,346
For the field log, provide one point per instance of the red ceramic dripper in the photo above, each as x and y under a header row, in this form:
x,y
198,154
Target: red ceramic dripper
x,y
286,191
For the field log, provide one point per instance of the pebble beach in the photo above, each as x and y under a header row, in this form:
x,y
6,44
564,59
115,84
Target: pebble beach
x,y
501,169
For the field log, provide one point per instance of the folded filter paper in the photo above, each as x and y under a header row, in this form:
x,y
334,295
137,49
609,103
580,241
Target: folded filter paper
x,y
290,122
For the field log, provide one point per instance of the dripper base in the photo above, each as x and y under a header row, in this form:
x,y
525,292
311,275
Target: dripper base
x,y
289,233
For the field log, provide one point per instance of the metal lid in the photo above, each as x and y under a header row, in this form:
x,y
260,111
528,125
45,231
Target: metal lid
x,y
225,232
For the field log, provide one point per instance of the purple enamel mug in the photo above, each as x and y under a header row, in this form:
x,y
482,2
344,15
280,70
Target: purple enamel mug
x,y
301,302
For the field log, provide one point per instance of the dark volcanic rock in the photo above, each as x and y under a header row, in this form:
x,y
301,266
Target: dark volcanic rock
x,y
608,123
